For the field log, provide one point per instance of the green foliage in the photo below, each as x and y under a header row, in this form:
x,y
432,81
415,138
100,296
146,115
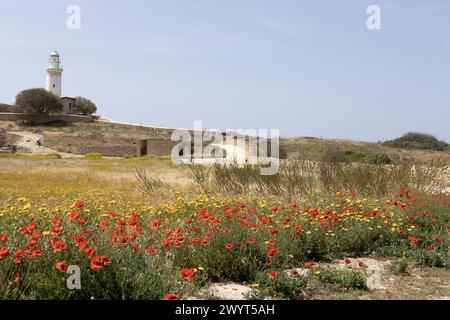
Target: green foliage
x,y
432,258
32,156
350,156
285,285
378,159
348,279
85,106
414,140
93,155
39,101
400,267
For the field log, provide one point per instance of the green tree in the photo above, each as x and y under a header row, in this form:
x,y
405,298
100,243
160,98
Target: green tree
x,y
39,101
85,106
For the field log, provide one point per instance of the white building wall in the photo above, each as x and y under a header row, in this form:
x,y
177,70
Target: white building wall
x,y
54,79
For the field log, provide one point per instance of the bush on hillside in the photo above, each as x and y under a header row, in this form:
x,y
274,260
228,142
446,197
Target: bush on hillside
x,y
93,155
414,140
349,156
39,101
85,106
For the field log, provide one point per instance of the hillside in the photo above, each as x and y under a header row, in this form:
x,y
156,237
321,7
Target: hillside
x,y
114,139
315,148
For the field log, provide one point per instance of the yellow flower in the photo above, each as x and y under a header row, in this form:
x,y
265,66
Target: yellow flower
x,y
200,268
254,285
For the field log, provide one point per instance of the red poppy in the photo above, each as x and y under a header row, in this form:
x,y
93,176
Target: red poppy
x,y
36,253
430,248
57,222
309,265
136,249
62,266
98,262
294,272
347,261
413,242
90,252
361,264
156,224
123,241
273,232
4,252
82,221
251,240
3,237
437,239
120,223
273,275
229,246
59,246
36,236
29,229
106,260
271,252
18,256
15,281
151,250
78,205
188,274
73,215
32,244
56,231
103,224
171,296
81,243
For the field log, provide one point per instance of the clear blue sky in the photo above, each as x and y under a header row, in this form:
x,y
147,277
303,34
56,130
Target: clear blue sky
x,y
309,68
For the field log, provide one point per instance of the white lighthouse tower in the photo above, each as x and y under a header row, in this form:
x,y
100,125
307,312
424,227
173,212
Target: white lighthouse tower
x,y
54,74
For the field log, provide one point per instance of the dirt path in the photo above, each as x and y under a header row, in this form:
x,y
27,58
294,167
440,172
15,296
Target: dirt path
x,y
28,141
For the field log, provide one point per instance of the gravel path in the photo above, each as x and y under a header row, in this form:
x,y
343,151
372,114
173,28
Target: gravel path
x,y
28,141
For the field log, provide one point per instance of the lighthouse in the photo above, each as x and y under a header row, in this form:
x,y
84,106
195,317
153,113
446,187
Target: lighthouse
x,y
54,73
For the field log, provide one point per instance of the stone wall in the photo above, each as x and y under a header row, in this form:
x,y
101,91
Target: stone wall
x,y
9,108
155,146
42,119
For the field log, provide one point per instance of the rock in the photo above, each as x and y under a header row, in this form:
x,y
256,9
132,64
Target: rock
x,y
374,282
228,291
301,271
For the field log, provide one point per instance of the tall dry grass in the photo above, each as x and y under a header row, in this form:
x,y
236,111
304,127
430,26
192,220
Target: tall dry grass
x,y
307,178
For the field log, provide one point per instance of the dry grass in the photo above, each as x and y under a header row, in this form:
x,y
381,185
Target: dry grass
x,y
56,180
306,178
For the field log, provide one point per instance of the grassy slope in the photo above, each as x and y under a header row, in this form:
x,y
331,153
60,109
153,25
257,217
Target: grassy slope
x,y
315,148
99,135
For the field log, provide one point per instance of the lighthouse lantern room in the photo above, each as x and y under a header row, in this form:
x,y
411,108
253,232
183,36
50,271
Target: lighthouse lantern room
x,y
54,73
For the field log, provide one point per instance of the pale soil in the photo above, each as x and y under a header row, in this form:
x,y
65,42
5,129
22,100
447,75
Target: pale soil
x,y
27,141
418,284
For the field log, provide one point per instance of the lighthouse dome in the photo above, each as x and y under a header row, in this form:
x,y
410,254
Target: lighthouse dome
x,y
54,54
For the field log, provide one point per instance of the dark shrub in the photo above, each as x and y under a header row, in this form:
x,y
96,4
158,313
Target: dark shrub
x,y
39,101
414,140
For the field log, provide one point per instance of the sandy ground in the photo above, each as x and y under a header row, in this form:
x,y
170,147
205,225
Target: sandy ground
x,y
28,141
